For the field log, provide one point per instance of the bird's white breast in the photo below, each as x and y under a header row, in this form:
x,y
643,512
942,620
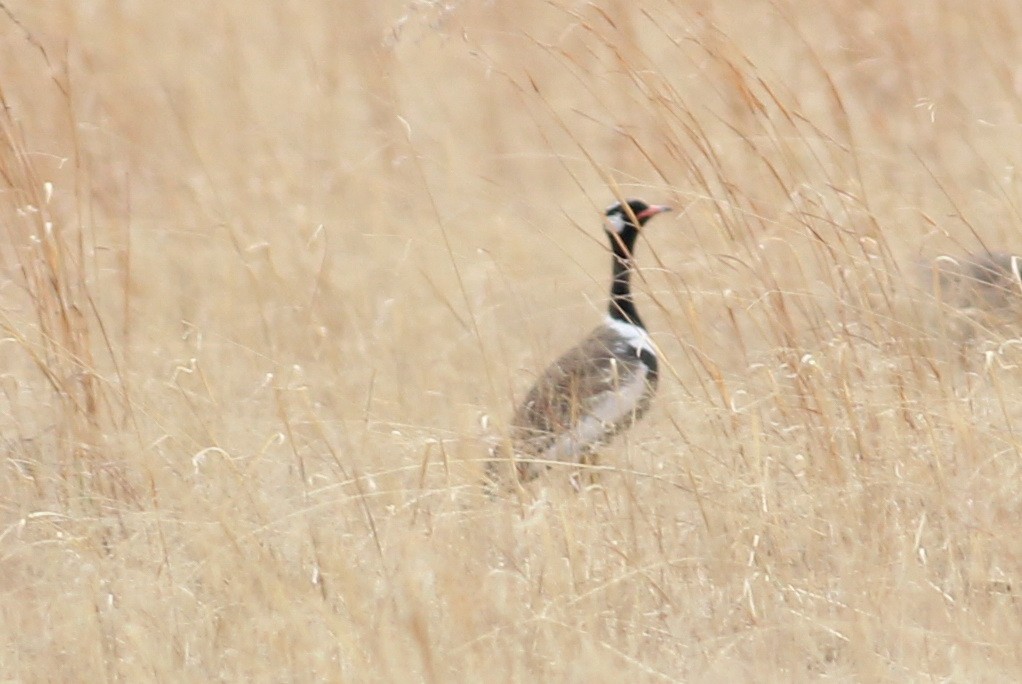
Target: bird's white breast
x,y
613,406
605,411
633,335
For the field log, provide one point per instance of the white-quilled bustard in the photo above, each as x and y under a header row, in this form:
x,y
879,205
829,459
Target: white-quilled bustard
x,y
596,389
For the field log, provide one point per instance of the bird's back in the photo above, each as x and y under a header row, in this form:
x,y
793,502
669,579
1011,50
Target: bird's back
x,y
987,282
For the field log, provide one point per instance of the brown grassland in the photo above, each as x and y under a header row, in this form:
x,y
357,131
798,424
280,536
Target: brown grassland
x,y
273,274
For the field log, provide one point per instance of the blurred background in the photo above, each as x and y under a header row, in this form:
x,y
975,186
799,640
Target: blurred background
x,y
274,274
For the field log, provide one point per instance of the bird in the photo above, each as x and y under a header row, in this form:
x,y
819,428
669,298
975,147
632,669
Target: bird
x,y
596,389
990,281
978,294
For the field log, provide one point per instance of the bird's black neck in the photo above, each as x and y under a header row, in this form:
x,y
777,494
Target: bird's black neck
x,y
622,308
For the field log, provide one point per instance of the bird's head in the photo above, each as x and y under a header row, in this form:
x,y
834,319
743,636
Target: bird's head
x,y
631,215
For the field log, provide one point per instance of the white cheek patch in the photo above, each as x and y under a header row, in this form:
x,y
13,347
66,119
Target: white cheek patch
x,y
617,220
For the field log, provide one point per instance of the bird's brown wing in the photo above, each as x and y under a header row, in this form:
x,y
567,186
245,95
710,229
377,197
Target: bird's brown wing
x,y
567,390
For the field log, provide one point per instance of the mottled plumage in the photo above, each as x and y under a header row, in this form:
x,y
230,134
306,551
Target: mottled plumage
x,y
989,282
587,396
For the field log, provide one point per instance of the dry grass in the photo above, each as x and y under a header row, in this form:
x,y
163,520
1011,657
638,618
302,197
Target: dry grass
x,y
266,268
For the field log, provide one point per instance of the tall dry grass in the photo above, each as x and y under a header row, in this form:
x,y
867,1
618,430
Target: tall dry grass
x,y
272,274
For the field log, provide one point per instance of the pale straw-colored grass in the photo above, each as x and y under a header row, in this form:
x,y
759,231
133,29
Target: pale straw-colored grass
x,y
273,274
